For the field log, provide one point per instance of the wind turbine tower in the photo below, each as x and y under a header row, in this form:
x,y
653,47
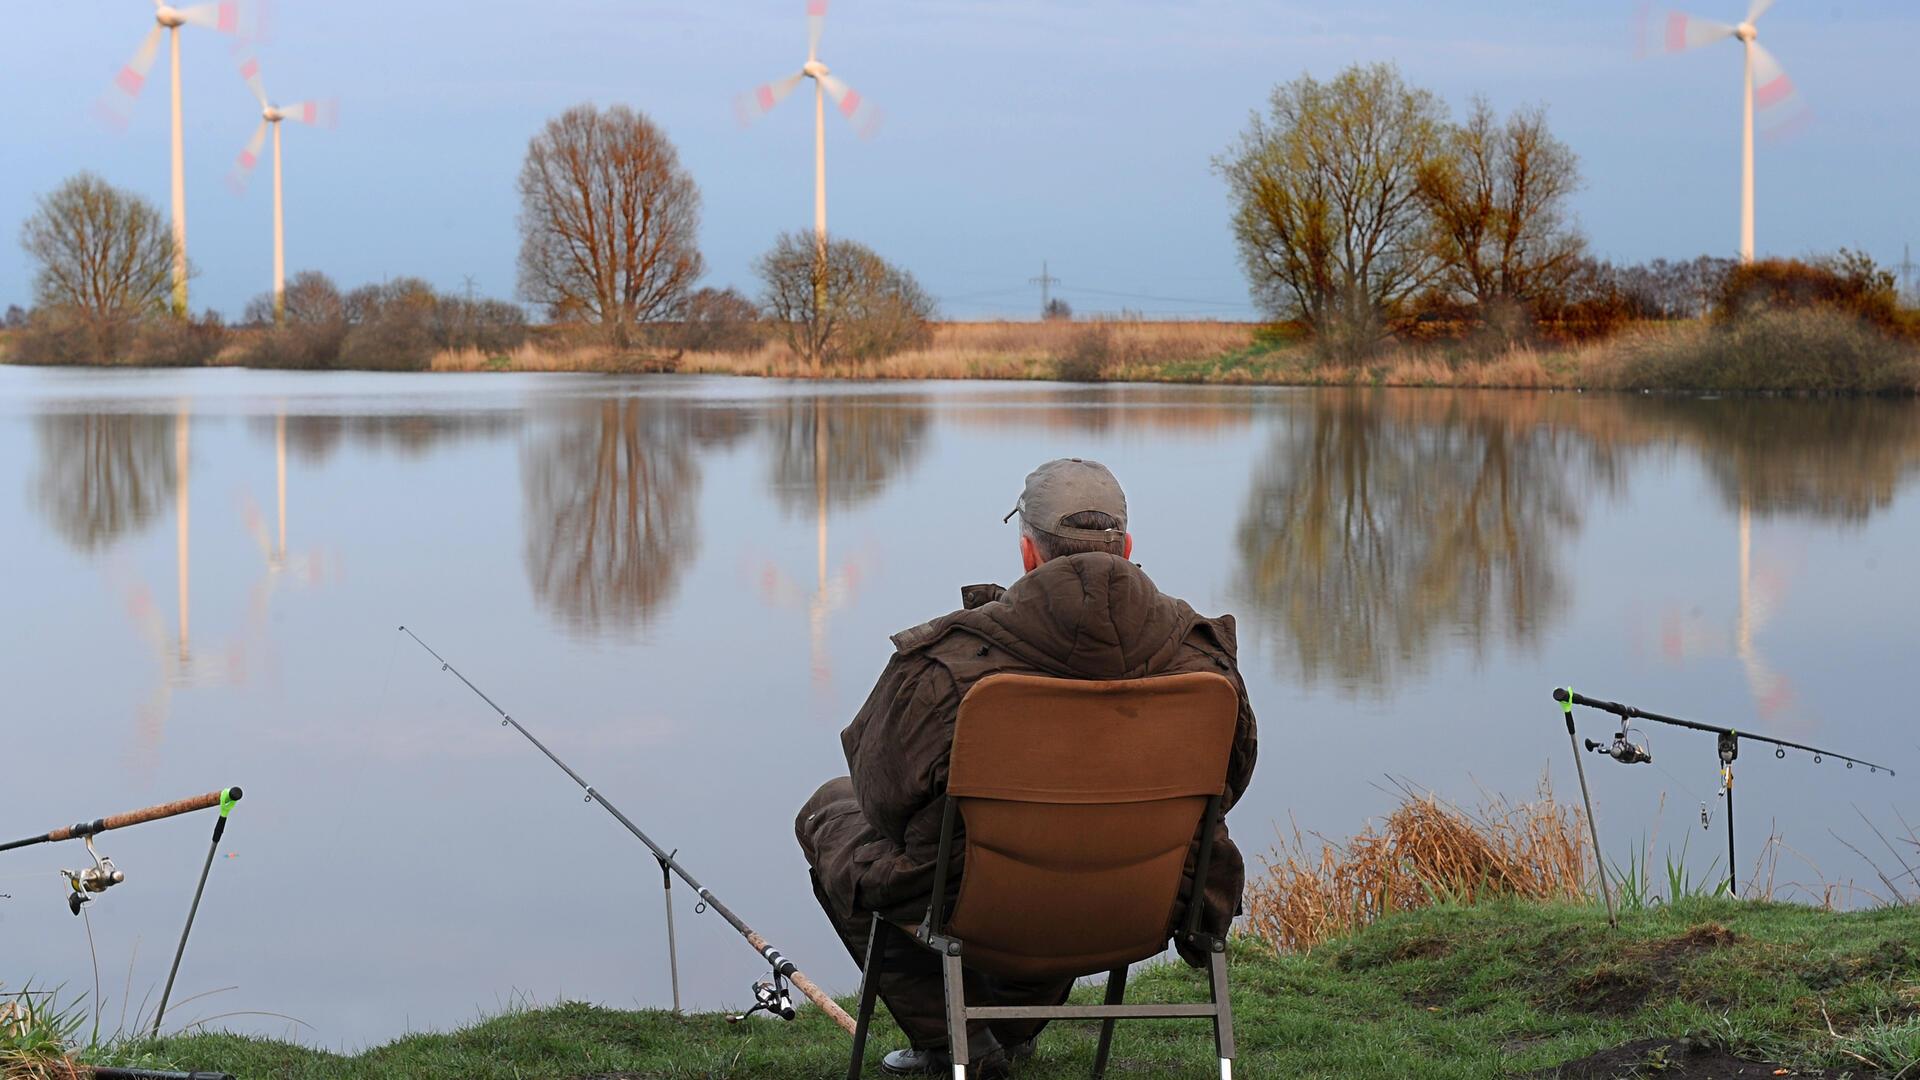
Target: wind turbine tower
x,y
1764,86
323,113
117,108
857,109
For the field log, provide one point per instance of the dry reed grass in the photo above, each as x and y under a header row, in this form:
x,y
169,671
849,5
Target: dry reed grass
x,y
1426,852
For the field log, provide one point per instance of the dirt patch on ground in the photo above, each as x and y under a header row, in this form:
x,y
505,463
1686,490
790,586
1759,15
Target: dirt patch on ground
x,y
1642,971
1672,1059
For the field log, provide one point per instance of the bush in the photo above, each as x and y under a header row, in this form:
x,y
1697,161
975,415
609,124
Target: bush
x,y
1089,355
312,331
718,320
59,335
391,327
1848,282
1819,351
163,341
488,326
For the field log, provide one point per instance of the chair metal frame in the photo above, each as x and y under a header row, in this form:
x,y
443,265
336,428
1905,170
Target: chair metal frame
x,y
931,935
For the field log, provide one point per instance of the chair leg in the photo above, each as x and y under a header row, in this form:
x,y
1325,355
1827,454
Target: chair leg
x,y
1223,1002
1116,993
956,988
869,988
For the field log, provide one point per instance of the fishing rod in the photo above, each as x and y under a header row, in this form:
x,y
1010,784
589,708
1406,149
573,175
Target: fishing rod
x,y
771,997
1625,750
104,875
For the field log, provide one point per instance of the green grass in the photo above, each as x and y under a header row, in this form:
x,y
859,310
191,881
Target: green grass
x,y
1451,992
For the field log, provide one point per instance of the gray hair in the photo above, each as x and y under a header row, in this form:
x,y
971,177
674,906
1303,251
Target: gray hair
x,y
1052,547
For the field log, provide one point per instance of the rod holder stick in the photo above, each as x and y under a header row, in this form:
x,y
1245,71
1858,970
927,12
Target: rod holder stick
x,y
227,798
1733,882
673,951
781,965
1593,824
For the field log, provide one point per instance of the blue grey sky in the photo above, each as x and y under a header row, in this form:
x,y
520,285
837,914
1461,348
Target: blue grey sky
x,y
1080,133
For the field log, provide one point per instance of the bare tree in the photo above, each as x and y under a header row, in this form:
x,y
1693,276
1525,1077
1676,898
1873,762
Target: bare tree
x,y
844,302
608,221
1498,196
104,258
1327,212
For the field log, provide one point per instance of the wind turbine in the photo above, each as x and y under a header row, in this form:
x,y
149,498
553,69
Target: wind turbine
x,y
323,113
1765,86
117,106
861,112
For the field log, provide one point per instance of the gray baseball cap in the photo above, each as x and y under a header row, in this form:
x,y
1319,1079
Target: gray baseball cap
x,y
1067,486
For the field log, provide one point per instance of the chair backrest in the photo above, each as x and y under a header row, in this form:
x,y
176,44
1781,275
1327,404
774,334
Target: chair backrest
x,y
1081,800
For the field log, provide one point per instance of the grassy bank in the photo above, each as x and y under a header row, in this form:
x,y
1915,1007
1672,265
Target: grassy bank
x,y
1497,989
1778,352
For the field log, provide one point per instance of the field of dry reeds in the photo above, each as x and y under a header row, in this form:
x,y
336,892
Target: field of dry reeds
x,y
1426,852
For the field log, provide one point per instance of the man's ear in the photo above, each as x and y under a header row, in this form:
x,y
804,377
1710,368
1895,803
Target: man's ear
x,y
1029,556
1126,548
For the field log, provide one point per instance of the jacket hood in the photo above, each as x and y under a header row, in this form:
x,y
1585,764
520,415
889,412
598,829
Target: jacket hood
x,y
1087,616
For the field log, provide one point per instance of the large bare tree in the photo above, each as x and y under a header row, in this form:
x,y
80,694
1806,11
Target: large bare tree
x,y
1327,212
1498,196
103,257
608,221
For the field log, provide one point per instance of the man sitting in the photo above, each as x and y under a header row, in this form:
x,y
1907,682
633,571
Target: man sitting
x,y
1082,611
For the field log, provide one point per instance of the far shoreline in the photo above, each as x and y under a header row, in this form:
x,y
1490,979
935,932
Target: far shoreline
x,y
1801,352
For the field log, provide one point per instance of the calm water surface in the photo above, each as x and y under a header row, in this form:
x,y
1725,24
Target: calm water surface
x,y
686,586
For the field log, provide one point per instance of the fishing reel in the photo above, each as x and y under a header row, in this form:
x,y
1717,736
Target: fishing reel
x,y
1623,749
772,998
98,878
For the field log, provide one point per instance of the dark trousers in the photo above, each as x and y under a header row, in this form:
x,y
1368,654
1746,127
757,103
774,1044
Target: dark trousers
x,y
911,987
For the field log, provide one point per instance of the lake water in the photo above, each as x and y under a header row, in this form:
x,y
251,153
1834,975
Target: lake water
x,y
685,587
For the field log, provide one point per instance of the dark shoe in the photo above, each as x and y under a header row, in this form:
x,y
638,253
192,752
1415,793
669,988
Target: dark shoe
x,y
994,1066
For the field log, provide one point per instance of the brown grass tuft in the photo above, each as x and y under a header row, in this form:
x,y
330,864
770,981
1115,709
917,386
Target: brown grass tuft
x,y
1426,852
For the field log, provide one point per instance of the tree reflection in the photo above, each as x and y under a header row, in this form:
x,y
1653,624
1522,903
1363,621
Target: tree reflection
x,y
1387,524
103,476
610,511
840,451
1833,460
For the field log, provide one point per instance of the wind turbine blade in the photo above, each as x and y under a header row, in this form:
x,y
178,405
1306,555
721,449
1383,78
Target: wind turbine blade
x,y
223,16
860,112
243,165
116,105
816,22
324,114
1771,86
1783,112
1757,9
250,73
757,103
1676,31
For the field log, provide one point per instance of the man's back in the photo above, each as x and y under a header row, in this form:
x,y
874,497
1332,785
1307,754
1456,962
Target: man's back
x,y
1084,616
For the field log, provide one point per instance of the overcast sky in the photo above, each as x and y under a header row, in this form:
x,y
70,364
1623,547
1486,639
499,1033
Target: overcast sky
x,y
1079,133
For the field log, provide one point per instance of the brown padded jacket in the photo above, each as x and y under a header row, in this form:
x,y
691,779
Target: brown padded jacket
x,y
1088,616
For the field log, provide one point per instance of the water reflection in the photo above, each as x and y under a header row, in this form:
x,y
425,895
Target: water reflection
x,y
841,451
103,476
1383,522
1832,460
609,493
315,438
1087,410
830,452
298,568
